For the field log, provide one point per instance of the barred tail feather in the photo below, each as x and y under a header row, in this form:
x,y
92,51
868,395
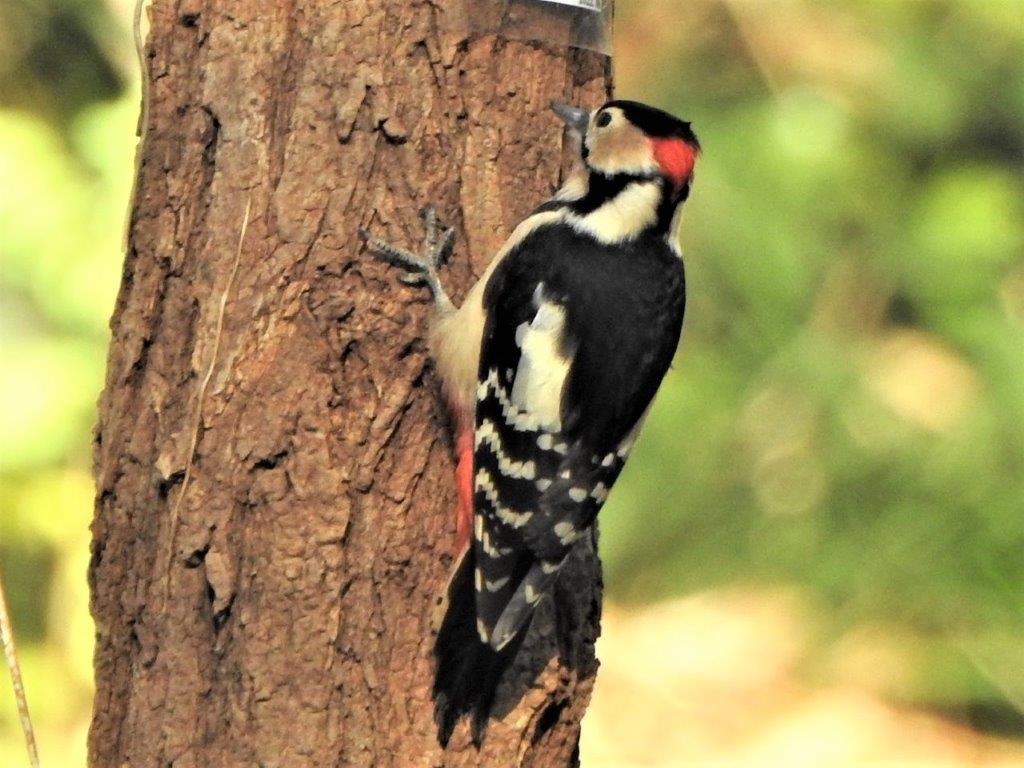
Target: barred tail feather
x,y
523,602
468,670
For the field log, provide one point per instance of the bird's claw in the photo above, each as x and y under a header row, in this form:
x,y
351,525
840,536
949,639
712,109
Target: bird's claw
x,y
438,239
420,270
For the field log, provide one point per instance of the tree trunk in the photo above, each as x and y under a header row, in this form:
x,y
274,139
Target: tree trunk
x,y
275,482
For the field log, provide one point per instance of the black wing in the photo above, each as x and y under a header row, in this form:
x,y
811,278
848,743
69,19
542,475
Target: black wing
x,y
578,338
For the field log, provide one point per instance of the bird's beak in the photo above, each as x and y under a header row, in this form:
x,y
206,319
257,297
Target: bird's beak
x,y
576,118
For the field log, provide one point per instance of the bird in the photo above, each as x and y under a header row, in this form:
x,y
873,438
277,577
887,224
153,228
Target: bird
x,y
549,368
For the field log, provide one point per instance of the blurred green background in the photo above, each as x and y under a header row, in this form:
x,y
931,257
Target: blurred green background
x,y
845,420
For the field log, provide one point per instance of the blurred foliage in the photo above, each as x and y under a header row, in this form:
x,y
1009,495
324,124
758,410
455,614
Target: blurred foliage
x,y
67,123
845,417
847,407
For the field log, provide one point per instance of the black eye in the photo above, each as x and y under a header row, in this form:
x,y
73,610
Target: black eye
x,y
603,119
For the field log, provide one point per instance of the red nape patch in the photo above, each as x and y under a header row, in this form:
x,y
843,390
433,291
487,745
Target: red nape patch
x,y
676,159
464,482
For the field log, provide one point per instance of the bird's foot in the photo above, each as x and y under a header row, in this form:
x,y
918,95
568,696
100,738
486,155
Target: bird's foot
x,y
419,270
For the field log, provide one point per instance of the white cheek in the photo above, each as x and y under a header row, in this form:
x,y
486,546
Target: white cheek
x,y
615,155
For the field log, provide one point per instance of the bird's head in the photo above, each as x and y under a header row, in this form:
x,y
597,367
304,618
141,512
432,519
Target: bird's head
x,y
627,138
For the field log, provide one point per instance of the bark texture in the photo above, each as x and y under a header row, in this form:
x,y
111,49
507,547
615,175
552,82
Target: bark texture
x,y
275,495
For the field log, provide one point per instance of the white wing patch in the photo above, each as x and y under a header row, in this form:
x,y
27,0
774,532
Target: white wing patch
x,y
455,336
543,367
519,419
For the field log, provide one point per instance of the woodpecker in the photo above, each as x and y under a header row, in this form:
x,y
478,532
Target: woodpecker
x,y
549,368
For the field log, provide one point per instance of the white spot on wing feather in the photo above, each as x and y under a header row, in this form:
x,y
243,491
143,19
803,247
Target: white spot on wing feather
x,y
566,532
486,433
494,586
483,432
491,549
509,516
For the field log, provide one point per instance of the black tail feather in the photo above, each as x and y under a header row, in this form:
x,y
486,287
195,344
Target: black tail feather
x,y
468,670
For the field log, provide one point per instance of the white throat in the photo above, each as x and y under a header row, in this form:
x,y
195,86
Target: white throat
x,y
624,216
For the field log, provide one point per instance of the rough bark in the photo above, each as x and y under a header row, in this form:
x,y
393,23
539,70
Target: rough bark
x,y
275,496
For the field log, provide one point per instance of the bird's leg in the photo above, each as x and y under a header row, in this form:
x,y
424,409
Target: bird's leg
x,y
420,269
423,270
